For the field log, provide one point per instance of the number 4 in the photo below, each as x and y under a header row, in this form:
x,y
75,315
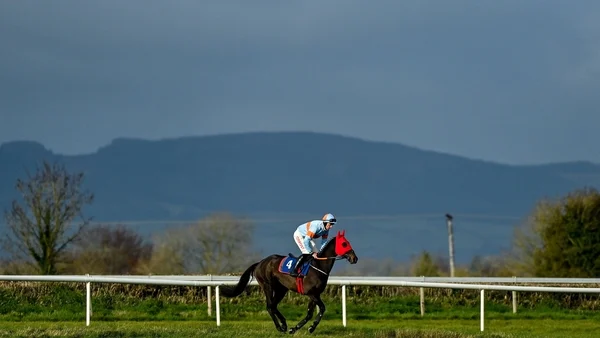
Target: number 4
x,y
289,264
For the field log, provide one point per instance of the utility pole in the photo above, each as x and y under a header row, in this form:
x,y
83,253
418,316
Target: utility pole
x,y
450,243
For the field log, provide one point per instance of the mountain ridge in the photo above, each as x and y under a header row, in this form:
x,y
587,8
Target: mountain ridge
x,y
304,174
126,139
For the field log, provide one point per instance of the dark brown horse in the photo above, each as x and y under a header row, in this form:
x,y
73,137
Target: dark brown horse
x,y
275,281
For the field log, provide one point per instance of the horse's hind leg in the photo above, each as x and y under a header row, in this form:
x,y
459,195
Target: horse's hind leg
x,y
279,292
321,305
309,314
270,296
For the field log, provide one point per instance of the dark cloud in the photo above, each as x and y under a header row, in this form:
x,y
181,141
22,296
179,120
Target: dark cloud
x,y
510,81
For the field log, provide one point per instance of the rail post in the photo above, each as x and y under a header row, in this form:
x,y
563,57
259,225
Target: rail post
x,y
344,305
218,307
482,307
88,301
422,301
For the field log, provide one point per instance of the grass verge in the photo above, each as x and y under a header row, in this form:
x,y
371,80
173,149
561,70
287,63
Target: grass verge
x,y
426,328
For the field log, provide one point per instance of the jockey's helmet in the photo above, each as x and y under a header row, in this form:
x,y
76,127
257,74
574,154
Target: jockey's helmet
x,y
329,218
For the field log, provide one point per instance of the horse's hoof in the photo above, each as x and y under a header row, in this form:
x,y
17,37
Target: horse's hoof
x,y
311,329
292,331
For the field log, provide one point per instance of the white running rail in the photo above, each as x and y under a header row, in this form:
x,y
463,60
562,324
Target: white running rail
x,y
216,281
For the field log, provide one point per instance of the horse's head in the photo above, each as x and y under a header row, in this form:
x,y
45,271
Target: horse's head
x,y
344,249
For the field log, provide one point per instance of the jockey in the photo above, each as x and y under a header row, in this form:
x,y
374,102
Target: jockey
x,y
304,235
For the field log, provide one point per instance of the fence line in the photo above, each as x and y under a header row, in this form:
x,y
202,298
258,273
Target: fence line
x,y
217,281
335,279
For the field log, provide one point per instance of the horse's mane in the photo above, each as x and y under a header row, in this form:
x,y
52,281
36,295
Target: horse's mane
x,y
328,244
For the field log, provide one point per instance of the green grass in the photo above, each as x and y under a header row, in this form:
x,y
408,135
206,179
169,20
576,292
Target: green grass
x,y
253,308
58,310
425,328
20,301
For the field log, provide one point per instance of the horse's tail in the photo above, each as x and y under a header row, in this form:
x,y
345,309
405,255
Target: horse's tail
x,y
236,290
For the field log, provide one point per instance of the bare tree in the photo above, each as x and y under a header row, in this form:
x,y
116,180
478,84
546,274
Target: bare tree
x,y
424,265
166,258
107,249
12,267
41,224
527,240
219,243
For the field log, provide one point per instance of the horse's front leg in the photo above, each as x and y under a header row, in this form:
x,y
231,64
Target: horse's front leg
x,y
309,314
319,302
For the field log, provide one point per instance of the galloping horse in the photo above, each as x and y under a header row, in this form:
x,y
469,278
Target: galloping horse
x,y
274,279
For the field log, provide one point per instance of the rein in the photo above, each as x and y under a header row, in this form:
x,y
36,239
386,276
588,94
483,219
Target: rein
x,y
324,259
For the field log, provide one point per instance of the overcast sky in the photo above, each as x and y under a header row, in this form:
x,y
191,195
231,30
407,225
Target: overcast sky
x,y
509,81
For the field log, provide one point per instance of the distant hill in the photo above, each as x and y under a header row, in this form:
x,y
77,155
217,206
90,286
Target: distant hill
x,y
307,174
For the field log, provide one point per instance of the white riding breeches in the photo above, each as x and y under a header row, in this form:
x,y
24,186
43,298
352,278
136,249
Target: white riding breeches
x,y
302,242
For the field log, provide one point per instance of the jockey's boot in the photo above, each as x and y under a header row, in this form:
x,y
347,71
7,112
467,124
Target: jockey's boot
x,y
299,262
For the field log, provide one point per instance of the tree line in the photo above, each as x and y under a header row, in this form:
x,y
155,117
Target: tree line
x,y
48,233
559,238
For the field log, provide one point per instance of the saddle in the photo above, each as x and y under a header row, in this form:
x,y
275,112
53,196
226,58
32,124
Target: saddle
x,y
288,263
